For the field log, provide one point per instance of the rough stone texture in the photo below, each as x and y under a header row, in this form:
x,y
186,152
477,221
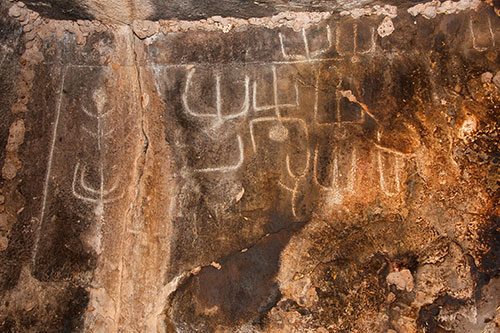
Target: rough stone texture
x,y
250,179
126,11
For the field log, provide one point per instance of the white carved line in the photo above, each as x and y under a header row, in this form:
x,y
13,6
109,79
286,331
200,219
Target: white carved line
x,y
49,167
338,123
294,191
189,66
100,196
97,115
382,178
308,55
297,180
218,116
229,168
392,151
473,35
355,42
330,43
491,32
399,157
87,187
372,41
335,184
276,106
95,135
244,108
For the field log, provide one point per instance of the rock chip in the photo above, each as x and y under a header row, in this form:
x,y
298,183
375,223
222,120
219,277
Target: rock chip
x,y
496,79
486,77
403,280
386,27
144,29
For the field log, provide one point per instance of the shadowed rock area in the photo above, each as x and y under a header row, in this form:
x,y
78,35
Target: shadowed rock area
x,y
126,11
331,171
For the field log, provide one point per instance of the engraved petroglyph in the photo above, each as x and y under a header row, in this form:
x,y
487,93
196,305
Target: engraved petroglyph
x,y
278,125
348,39
335,111
335,188
258,143
309,53
217,118
297,179
389,178
278,132
355,39
276,105
88,177
481,32
101,195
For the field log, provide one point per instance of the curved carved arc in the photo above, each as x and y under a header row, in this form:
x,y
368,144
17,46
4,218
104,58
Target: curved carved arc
x,y
304,171
95,116
99,196
297,179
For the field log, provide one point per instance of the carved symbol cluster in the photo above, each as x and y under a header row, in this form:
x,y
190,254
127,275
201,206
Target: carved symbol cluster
x,y
270,116
80,189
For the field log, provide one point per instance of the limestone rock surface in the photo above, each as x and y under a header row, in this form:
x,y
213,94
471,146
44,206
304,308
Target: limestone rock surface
x,y
280,174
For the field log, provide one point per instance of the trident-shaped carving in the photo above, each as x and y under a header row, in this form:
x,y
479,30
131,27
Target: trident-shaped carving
x,y
85,192
80,188
278,132
218,118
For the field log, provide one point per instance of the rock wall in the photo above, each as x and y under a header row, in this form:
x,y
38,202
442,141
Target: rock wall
x,y
303,172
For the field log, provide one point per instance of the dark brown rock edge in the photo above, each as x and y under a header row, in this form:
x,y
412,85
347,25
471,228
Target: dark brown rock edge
x,y
257,179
